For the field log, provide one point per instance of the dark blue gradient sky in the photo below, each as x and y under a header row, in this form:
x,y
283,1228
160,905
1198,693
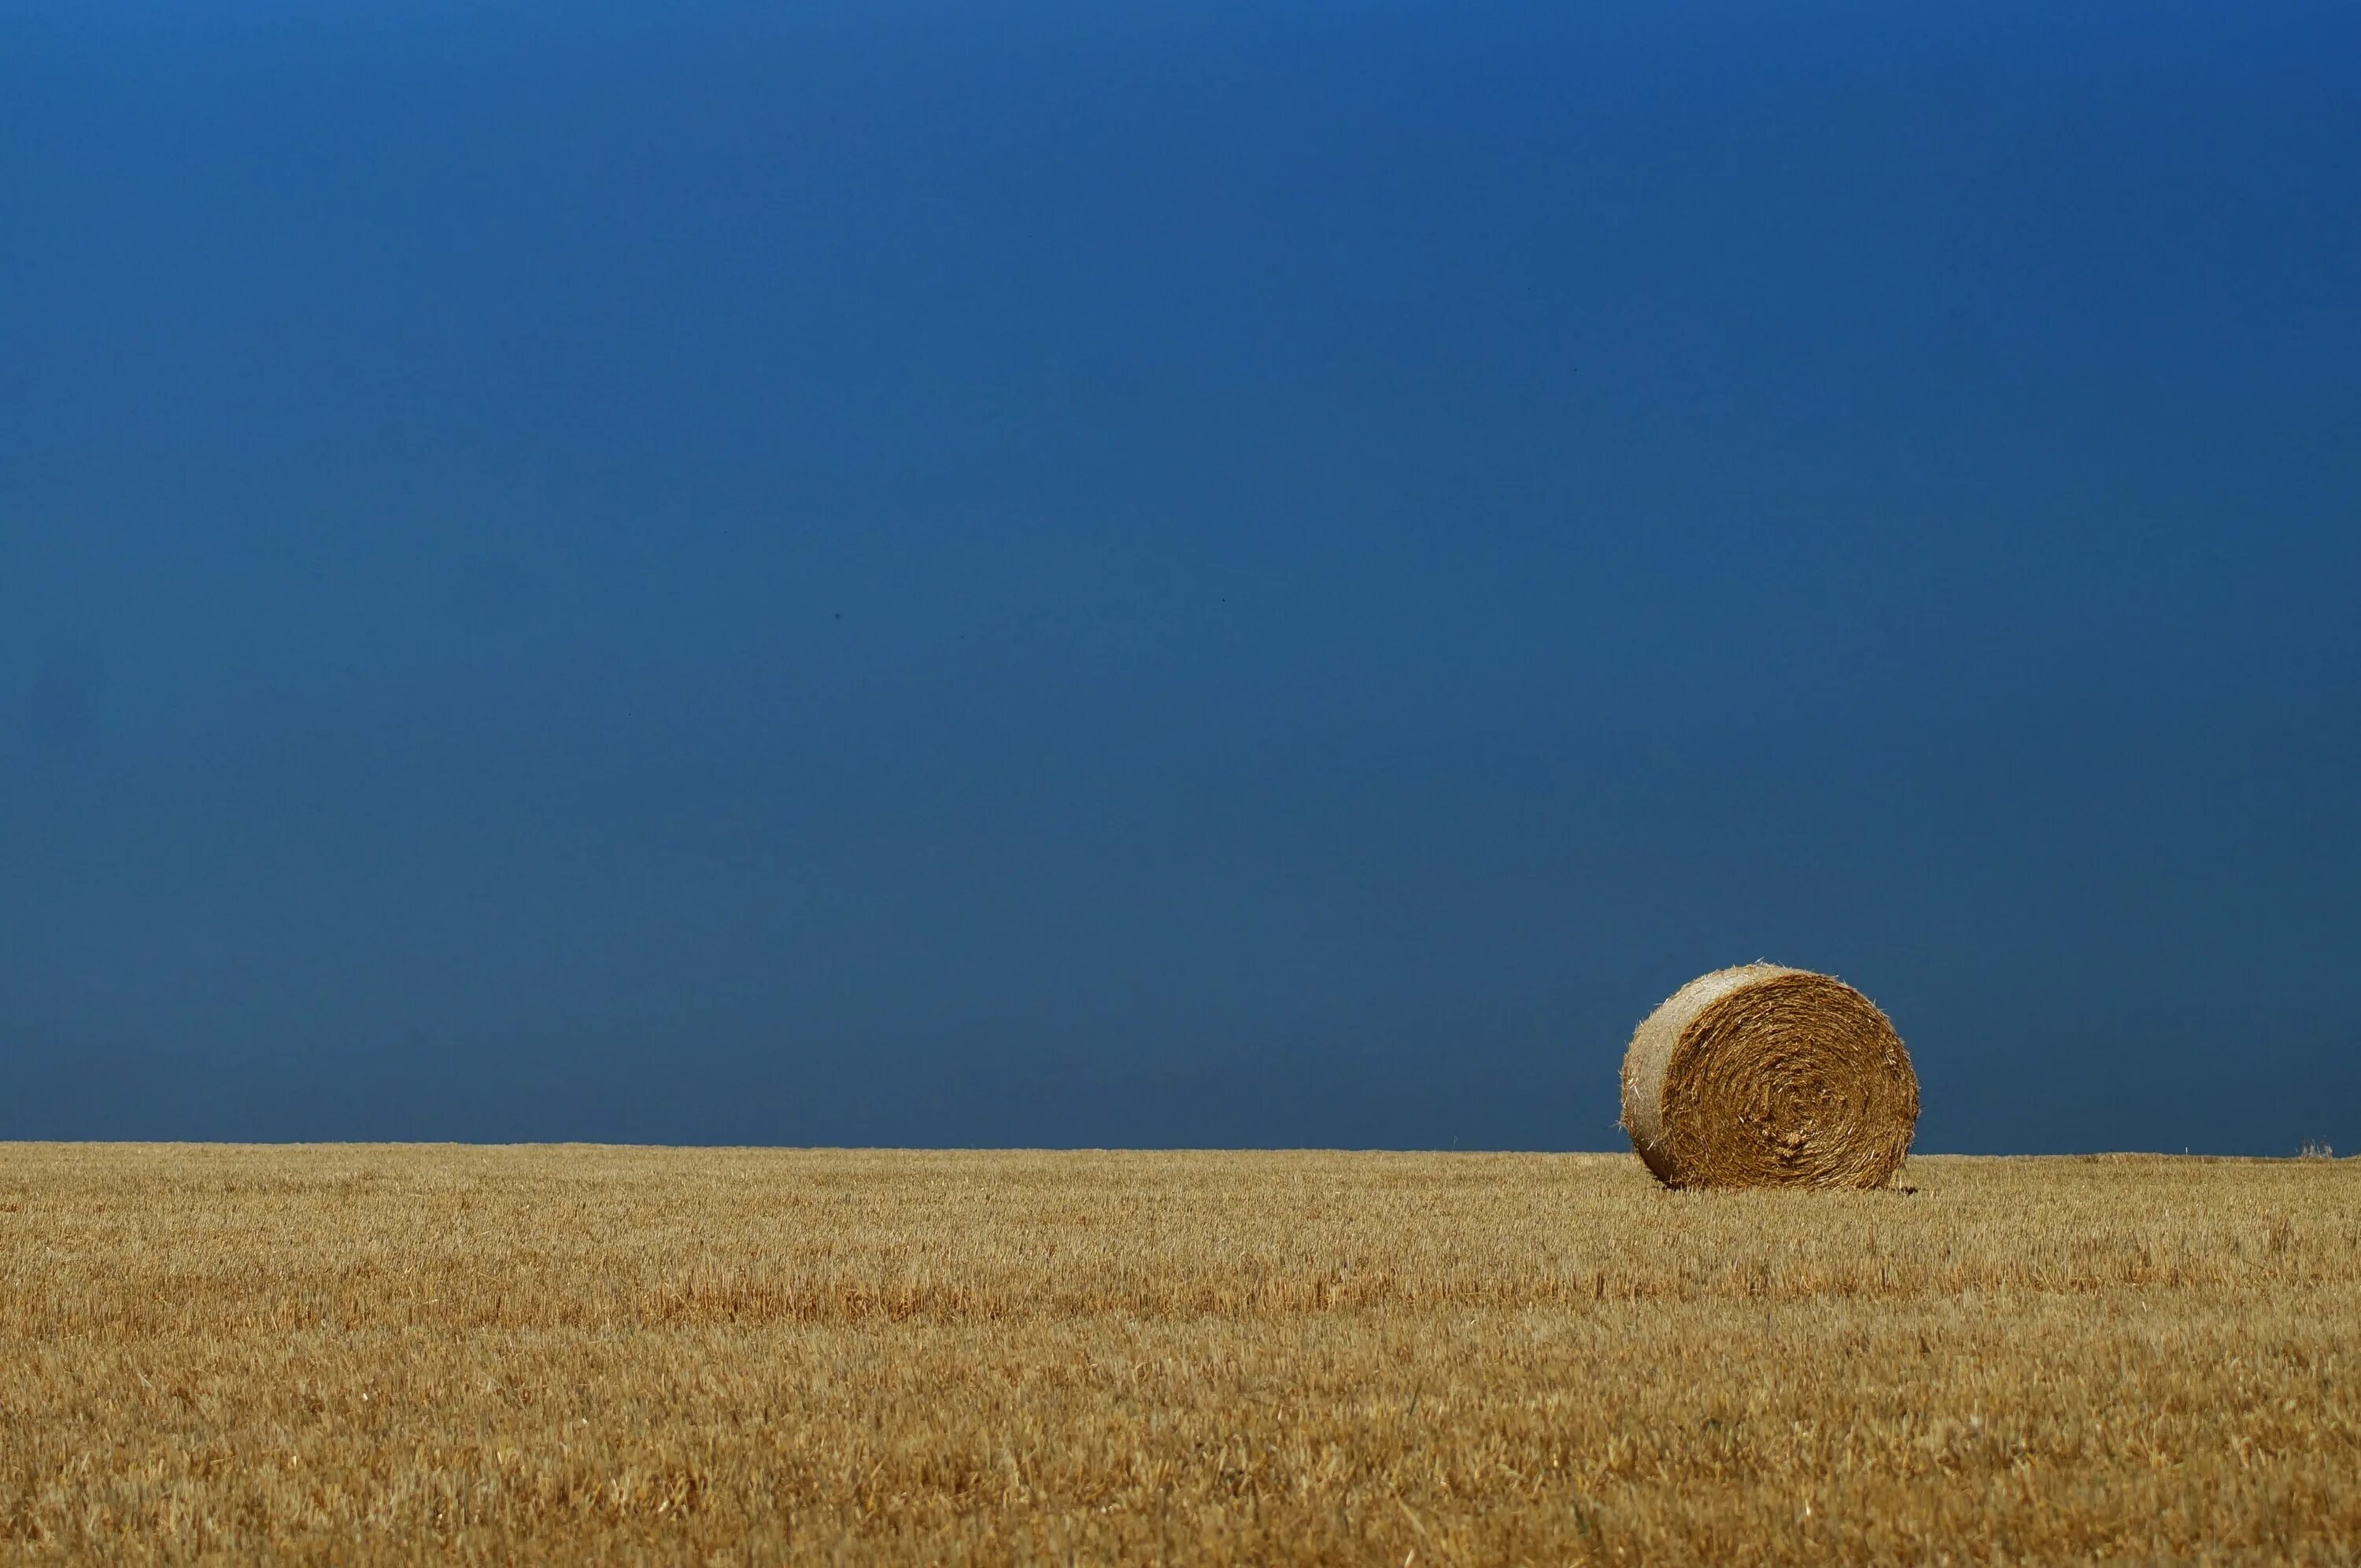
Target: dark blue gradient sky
x,y
1171,574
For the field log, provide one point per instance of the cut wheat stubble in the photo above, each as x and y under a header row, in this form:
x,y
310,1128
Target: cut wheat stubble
x,y
1765,1076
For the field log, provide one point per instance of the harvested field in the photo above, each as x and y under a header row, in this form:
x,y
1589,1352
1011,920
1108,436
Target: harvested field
x,y
368,1354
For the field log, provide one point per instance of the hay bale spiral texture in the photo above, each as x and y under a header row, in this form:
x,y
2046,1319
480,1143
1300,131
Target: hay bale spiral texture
x,y
1764,1076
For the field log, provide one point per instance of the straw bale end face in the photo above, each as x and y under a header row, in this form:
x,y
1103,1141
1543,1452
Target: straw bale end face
x,y
1764,1076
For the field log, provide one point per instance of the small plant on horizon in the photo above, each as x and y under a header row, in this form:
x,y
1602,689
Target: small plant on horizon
x,y
2313,1148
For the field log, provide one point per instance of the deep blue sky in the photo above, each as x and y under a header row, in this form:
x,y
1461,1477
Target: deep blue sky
x,y
1171,574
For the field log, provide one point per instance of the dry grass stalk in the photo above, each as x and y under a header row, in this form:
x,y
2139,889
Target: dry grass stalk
x,y
1764,1076
375,1356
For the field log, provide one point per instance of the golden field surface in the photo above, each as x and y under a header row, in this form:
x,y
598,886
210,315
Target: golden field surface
x,y
389,1354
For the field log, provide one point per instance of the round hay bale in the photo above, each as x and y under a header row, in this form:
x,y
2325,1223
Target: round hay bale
x,y
1764,1076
